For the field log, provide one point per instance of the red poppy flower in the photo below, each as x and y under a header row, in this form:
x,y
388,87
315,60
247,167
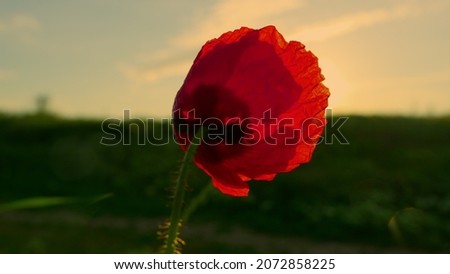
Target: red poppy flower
x,y
263,103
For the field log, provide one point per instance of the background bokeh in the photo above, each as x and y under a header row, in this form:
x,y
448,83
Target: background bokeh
x,y
67,66
62,191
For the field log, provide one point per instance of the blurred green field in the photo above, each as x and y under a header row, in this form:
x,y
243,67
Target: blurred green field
x,y
387,191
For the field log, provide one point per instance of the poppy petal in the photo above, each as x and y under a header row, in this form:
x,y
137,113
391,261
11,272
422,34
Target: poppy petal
x,y
273,90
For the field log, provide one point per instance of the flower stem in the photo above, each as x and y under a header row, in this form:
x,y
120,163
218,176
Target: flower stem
x,y
197,201
172,241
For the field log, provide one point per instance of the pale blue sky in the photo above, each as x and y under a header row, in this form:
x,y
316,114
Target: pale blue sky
x,y
98,57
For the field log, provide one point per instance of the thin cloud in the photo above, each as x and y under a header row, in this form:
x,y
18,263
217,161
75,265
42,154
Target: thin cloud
x,y
339,26
352,22
25,22
19,23
139,75
224,16
176,58
232,14
21,27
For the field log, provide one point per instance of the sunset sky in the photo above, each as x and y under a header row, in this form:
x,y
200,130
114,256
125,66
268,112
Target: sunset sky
x,y
94,58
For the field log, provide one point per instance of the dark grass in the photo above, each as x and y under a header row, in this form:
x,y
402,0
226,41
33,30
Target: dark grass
x,y
395,171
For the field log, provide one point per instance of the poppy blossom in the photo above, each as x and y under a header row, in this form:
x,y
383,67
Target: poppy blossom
x,y
263,103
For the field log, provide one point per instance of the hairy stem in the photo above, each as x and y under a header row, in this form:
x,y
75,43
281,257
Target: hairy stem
x,y
172,241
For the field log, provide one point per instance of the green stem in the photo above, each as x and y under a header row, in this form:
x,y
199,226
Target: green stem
x,y
172,240
197,201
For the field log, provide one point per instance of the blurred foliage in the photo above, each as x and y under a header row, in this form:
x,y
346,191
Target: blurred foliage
x,y
388,188
40,202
